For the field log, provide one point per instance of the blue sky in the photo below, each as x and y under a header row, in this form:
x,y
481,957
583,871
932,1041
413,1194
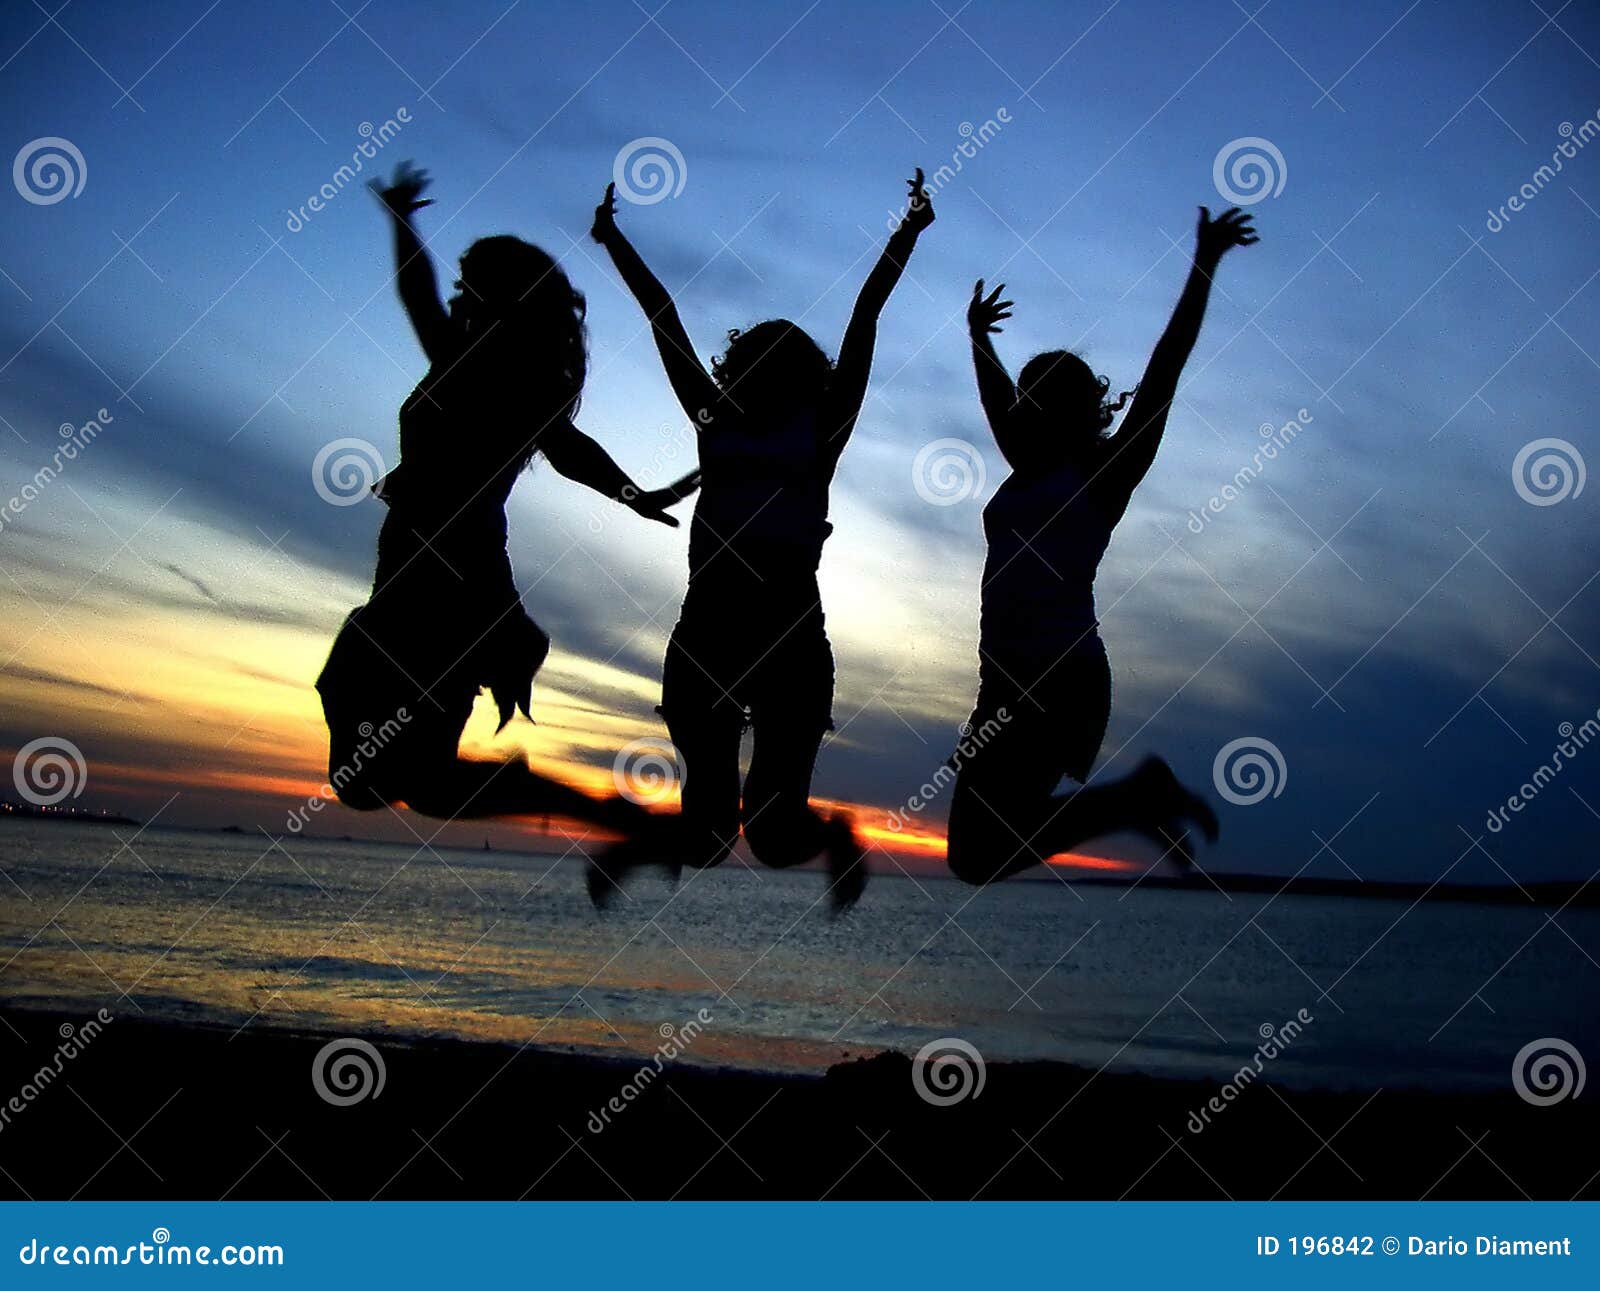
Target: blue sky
x,y
1380,602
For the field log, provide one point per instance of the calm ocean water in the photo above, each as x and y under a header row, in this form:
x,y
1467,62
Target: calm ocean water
x,y
372,937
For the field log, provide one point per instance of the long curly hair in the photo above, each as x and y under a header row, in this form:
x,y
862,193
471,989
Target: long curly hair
x,y
772,362
1061,394
518,305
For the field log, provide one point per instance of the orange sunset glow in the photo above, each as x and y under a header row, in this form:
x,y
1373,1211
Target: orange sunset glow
x,y
215,721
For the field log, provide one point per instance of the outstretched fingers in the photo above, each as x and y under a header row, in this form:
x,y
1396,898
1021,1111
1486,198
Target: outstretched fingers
x,y
919,209
985,311
605,215
684,486
403,193
1232,228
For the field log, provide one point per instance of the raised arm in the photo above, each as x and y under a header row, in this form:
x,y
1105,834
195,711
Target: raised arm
x,y
579,458
996,392
849,385
419,287
1135,445
693,385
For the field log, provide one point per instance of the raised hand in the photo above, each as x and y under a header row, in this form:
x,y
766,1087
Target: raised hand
x,y
605,216
653,505
403,193
986,311
1214,237
919,213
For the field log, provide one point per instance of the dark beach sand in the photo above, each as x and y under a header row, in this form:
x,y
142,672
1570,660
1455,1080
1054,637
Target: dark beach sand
x,y
206,1113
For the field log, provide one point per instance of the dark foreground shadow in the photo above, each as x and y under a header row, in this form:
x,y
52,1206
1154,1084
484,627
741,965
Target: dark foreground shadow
x,y
207,1114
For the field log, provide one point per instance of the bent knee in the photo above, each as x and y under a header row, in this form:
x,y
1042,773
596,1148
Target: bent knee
x,y
970,864
360,797
352,789
781,838
702,839
703,850
979,839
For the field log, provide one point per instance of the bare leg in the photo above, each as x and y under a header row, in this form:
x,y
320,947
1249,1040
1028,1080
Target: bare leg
x,y
992,838
1151,801
421,768
462,789
708,747
707,827
780,824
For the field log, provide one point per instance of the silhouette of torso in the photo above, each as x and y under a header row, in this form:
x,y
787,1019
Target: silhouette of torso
x,y
446,502
1046,535
763,504
444,606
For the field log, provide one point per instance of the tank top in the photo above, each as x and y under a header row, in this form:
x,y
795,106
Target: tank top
x,y
443,540
763,497
1046,535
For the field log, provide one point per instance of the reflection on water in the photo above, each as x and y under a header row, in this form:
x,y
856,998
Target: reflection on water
x,y
374,937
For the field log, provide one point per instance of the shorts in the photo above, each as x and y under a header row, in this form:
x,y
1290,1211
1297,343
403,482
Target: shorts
x,y
751,657
1030,729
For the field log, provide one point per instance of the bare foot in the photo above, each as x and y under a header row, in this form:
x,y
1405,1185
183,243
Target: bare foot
x,y
1179,848
654,840
603,876
1168,801
847,870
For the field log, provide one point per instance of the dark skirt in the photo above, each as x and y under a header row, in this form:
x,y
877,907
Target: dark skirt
x,y
402,679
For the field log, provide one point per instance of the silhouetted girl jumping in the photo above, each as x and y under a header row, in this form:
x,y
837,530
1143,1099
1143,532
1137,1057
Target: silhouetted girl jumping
x,y
506,368
750,647
1044,682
